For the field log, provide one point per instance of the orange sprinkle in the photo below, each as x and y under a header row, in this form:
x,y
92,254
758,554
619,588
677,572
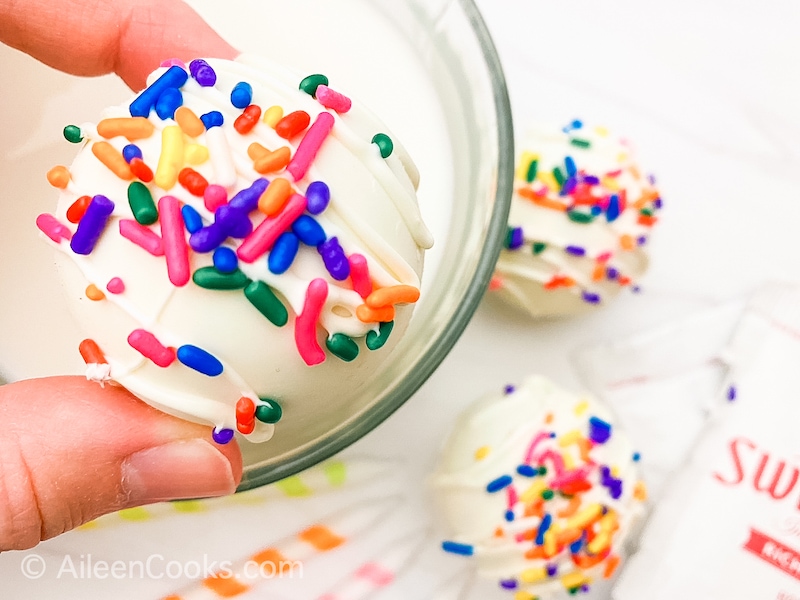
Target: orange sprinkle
x,y
543,201
535,510
321,538
571,509
611,565
94,293
568,536
396,294
647,220
113,159
59,177
189,122
172,597
78,208
225,585
647,197
548,418
558,281
587,562
272,556
534,553
91,353
640,491
627,242
499,532
275,196
133,128
584,445
624,280
599,272
273,161
366,314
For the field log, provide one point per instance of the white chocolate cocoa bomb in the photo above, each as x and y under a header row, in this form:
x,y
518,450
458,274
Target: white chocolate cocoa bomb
x,y
372,212
581,214
540,488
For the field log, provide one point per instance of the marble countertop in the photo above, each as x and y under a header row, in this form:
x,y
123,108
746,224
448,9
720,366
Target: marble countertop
x,y
708,94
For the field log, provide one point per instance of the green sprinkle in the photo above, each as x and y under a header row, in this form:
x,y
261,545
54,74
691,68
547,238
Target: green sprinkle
x,y
531,175
264,299
342,346
211,279
539,247
542,470
547,494
509,236
293,487
559,175
310,84
269,412
336,472
385,144
580,217
142,204
647,212
580,143
376,339
73,134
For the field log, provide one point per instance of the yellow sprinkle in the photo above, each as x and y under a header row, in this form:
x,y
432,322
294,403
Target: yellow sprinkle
x,y
195,154
524,164
90,525
574,580
640,491
534,492
482,452
622,157
547,178
569,461
615,471
600,542
521,595
188,506
569,438
611,183
601,131
587,515
533,575
134,514
550,547
171,160
272,115
609,522
94,293
581,407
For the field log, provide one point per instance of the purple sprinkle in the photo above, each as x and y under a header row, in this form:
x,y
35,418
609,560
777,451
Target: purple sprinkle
x,y
605,475
509,389
731,393
207,239
658,203
612,273
247,199
551,570
508,584
585,588
335,259
575,250
569,186
599,430
615,488
590,297
636,289
500,483
222,436
318,195
232,221
591,179
641,240
652,179
203,73
91,225
515,238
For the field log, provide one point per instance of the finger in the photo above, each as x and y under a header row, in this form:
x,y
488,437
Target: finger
x,y
71,451
94,37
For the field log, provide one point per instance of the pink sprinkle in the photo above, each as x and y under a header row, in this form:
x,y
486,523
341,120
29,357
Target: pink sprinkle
x,y
174,62
263,237
555,458
214,197
116,286
147,344
310,145
142,236
604,257
332,99
173,234
511,493
542,435
496,283
375,573
305,326
53,228
359,275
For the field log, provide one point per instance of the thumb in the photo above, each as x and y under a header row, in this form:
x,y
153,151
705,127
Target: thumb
x,y
71,451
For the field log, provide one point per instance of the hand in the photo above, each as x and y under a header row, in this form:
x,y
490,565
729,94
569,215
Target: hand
x,y
70,450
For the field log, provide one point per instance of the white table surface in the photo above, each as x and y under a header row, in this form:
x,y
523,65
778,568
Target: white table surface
x,y
709,94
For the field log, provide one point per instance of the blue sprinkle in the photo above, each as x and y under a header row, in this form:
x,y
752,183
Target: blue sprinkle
x,y
225,260
577,124
456,548
222,436
500,483
308,230
242,95
596,210
543,527
335,259
199,360
207,239
168,102
174,77
731,393
509,389
283,253
569,163
318,195
247,199
575,546
636,457
590,297
130,152
191,218
509,515
612,212
527,471
575,250
599,430
508,584
212,119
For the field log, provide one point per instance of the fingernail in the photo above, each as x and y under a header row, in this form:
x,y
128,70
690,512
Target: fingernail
x,y
188,469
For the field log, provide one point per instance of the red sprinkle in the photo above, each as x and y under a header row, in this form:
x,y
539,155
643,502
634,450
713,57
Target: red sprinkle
x,y
193,181
293,124
78,208
141,170
245,122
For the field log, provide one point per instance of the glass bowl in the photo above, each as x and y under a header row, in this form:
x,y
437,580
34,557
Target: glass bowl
x,y
428,69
